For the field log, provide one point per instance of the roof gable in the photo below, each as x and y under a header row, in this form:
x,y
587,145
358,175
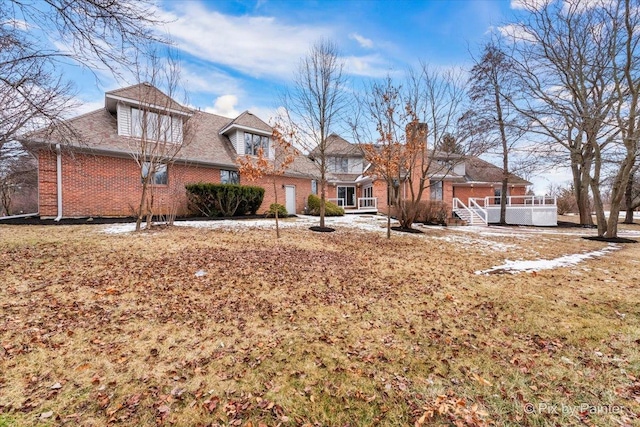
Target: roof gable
x,y
144,94
338,146
247,121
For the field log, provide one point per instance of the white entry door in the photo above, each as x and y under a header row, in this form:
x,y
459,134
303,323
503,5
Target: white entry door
x,y
290,199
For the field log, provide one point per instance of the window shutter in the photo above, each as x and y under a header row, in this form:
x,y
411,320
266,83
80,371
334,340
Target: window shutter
x,y
176,130
124,120
240,143
272,150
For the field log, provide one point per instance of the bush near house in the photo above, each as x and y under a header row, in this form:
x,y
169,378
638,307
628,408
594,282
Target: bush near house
x,y
427,211
331,209
282,211
432,212
215,200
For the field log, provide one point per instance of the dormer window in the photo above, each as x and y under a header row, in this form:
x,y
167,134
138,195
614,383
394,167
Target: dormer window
x,y
155,126
253,143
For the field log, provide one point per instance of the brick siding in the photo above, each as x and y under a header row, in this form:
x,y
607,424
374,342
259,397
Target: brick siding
x,y
102,186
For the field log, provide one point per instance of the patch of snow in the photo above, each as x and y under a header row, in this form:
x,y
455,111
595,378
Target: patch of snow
x,y
361,222
119,228
514,267
482,243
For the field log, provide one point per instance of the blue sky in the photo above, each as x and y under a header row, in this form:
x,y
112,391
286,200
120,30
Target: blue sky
x,y
239,55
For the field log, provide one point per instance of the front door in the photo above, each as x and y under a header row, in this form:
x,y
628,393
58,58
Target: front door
x,y
347,196
290,199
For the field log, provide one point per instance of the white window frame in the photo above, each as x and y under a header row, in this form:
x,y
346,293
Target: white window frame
x,y
159,127
436,191
255,142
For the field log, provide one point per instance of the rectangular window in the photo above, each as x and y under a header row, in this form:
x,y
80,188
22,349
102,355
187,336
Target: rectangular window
x,y
436,190
229,177
155,127
160,177
314,186
253,143
339,164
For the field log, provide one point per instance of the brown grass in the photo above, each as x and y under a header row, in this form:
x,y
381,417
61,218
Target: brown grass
x,y
335,329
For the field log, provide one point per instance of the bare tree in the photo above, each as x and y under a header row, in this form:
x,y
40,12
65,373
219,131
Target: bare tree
x,y
625,17
391,150
315,105
496,121
577,62
562,57
413,127
160,129
18,178
262,166
632,194
94,35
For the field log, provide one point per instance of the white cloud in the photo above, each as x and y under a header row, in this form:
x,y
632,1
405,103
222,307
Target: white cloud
x,y
255,45
224,105
516,32
83,107
363,41
206,80
529,4
367,66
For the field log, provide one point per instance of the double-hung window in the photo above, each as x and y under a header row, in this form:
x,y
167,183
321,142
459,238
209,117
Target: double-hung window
x,y
436,190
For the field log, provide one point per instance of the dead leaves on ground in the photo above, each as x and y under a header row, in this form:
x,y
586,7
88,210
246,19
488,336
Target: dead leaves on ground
x,y
344,329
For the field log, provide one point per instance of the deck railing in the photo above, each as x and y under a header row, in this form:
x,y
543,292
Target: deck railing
x,y
367,203
340,202
522,201
522,210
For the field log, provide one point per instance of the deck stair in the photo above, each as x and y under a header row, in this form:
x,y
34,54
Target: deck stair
x,y
472,216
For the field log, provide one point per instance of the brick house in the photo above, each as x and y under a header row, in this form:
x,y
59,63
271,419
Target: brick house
x,y
456,182
94,174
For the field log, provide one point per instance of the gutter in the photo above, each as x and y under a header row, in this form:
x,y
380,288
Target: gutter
x,y
59,181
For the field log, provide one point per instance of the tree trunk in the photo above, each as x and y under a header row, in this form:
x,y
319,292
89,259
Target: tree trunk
x,y
388,223
143,199
323,198
598,206
628,199
275,195
581,191
505,158
617,191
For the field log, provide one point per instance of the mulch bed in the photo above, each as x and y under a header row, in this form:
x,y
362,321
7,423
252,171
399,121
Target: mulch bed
x,y
319,229
35,220
610,239
407,230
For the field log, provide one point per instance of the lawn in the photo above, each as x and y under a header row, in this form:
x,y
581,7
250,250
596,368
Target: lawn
x,y
227,326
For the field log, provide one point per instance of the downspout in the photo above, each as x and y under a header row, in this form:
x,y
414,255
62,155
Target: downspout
x,y
59,181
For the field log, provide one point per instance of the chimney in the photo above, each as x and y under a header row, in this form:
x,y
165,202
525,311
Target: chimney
x,y
416,131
